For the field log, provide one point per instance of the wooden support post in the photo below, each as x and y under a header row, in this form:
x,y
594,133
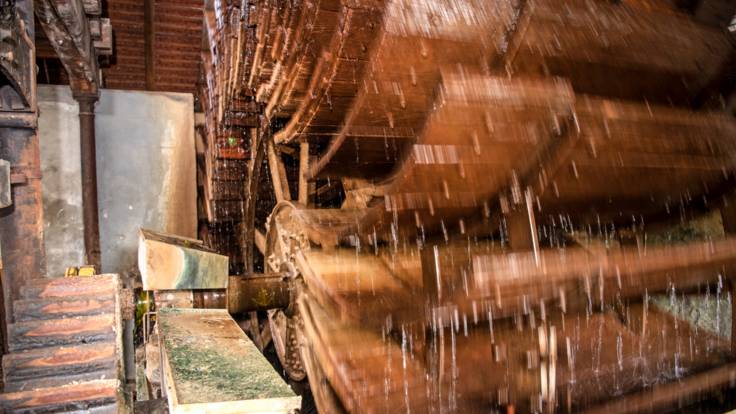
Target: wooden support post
x,y
432,274
21,224
522,227
303,167
278,174
258,153
260,240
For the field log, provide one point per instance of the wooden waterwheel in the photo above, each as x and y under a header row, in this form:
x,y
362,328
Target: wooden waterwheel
x,y
473,142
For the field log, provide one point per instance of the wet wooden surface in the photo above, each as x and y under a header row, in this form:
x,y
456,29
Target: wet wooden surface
x,y
459,125
66,347
169,262
209,364
366,288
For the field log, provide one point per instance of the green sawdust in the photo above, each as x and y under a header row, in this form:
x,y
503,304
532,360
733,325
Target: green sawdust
x,y
201,373
706,312
218,365
702,228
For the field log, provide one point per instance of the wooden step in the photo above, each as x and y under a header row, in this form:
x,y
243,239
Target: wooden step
x,y
55,308
55,332
51,382
58,361
93,396
69,287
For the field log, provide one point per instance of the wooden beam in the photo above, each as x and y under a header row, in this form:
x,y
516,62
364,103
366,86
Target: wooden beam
x,y
259,137
260,240
278,174
303,171
67,27
521,226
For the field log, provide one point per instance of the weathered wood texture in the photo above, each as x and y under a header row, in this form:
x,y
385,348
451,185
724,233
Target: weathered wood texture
x,y
372,103
365,289
67,26
100,396
211,366
21,233
65,347
67,331
575,278
68,307
591,360
59,361
171,262
450,123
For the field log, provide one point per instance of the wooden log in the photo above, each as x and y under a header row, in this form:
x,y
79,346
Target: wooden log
x,y
172,262
57,332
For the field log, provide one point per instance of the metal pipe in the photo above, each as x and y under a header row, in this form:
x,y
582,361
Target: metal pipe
x,y
89,178
258,292
210,299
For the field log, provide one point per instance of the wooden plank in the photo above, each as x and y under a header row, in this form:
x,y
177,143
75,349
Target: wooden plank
x,y
278,174
303,171
59,361
53,332
574,277
99,396
98,285
210,365
172,262
31,309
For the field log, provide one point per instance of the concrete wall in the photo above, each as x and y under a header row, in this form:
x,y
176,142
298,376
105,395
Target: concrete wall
x,y
145,168
58,131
